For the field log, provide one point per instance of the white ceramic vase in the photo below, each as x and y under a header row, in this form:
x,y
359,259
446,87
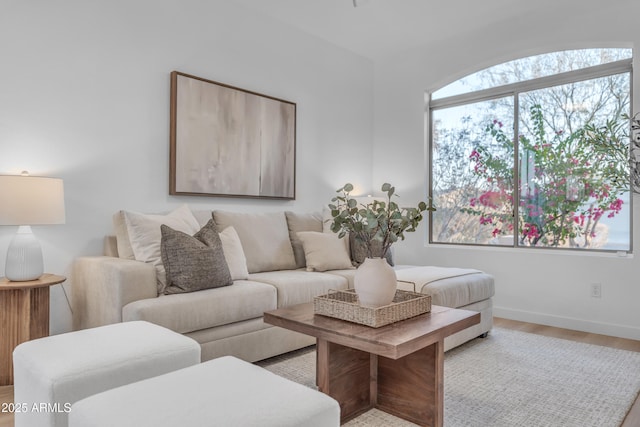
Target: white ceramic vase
x,y
375,282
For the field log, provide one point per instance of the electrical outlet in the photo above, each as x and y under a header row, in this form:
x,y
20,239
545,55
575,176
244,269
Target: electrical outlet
x,y
596,290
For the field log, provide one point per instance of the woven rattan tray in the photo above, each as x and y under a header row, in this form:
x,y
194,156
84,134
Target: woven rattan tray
x,y
344,305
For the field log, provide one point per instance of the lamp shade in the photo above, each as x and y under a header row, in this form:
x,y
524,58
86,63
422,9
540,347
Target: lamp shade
x,y
31,200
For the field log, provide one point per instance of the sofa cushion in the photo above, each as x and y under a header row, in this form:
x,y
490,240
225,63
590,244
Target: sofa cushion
x,y
264,237
193,263
234,254
349,274
205,309
297,222
299,286
449,286
324,251
144,235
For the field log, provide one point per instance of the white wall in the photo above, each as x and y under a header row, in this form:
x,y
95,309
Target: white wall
x,y
84,96
544,287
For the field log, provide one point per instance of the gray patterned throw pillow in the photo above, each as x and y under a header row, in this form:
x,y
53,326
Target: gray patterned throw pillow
x,y
193,262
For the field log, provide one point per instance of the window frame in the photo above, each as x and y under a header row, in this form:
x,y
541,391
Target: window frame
x,y
514,90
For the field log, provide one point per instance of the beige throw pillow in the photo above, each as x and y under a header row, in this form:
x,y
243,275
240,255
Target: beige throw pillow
x,y
145,236
234,254
324,251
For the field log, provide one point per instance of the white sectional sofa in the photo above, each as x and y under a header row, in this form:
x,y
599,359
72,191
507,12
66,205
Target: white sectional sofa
x,y
268,266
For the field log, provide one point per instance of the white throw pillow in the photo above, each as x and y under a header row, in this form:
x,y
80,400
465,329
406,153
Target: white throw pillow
x,y
324,251
145,236
234,254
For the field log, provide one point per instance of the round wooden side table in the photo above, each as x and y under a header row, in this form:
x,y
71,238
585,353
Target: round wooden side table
x,y
24,316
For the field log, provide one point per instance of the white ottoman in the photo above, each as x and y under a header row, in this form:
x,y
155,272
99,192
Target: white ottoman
x,y
52,373
223,392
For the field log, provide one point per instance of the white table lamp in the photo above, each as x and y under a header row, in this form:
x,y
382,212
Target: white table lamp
x,y
24,201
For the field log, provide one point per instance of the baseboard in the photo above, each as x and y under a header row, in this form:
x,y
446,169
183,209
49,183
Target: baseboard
x,y
610,329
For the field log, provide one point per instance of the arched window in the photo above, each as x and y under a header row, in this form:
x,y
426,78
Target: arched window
x,y
534,153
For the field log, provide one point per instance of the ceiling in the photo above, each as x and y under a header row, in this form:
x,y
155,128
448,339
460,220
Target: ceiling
x,y
379,28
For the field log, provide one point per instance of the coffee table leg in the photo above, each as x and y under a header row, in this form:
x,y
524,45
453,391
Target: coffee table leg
x,y
344,374
412,387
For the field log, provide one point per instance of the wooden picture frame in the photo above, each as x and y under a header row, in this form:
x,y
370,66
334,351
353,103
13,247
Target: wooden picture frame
x,y
227,141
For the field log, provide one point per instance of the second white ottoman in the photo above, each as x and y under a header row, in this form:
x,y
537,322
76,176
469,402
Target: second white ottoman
x,y
54,372
223,392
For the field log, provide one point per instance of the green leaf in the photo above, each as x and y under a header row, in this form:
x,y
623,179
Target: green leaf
x,y
373,220
391,191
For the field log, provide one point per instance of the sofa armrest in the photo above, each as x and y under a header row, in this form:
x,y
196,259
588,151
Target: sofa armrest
x,y
103,285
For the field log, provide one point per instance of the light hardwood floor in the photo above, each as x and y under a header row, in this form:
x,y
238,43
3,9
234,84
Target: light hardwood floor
x,y
632,419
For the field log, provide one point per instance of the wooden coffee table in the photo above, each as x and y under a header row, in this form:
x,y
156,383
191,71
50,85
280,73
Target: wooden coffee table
x,y
398,368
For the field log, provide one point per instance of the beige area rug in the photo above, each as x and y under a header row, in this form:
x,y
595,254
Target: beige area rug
x,y
512,379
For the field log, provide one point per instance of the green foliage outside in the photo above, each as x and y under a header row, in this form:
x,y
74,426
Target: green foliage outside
x,y
570,181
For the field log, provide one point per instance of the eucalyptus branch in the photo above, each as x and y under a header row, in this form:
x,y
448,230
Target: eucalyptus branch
x,y
382,221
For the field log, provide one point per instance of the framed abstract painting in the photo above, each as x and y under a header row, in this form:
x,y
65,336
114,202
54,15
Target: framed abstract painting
x,y
226,141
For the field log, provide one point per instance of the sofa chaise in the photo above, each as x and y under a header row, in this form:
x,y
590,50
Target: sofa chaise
x,y
275,259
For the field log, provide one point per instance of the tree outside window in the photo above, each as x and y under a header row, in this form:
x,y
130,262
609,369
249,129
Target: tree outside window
x,y
539,163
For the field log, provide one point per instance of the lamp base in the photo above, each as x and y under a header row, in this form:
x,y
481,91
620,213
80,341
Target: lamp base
x,y
24,256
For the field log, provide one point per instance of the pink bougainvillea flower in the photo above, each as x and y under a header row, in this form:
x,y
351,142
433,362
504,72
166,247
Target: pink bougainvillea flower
x,y
615,208
486,220
530,231
490,199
